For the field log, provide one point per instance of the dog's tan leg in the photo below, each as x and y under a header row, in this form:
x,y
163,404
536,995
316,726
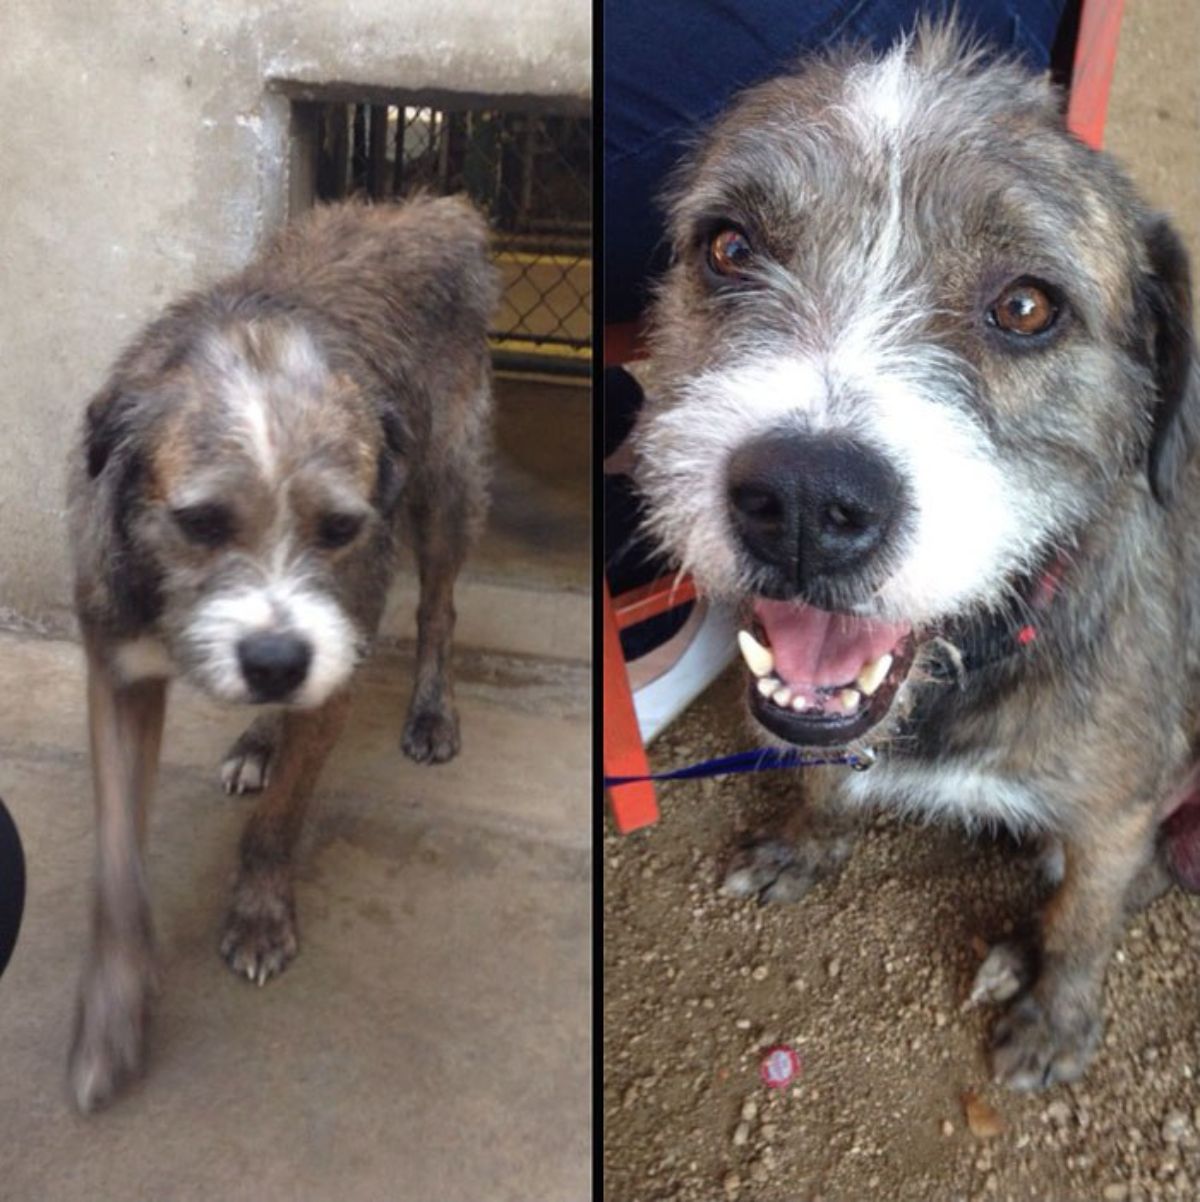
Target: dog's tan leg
x,y
125,724
814,842
1050,1034
440,529
259,937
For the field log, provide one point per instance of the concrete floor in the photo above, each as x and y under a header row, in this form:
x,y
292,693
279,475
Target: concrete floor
x,y
432,1040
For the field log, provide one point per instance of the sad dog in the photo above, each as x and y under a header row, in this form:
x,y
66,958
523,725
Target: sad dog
x,y
923,405
234,508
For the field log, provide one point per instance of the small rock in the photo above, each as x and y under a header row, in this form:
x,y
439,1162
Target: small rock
x,y
982,1119
733,1183
742,1024
760,972
1117,1191
833,968
758,1171
1059,1113
947,1128
749,1110
741,1134
768,1131
1175,1127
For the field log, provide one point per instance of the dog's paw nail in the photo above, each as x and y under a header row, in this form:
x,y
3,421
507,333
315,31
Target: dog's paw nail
x,y
244,773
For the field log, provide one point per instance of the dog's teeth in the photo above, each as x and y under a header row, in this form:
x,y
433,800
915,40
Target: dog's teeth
x,y
849,699
872,674
799,702
782,696
767,685
758,658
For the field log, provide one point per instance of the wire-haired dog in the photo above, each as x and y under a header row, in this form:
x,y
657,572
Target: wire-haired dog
x,y
234,504
923,404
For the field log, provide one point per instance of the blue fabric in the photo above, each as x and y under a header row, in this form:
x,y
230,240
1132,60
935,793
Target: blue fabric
x,y
671,65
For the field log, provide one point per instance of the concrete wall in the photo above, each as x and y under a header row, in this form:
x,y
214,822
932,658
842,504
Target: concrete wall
x,y
144,149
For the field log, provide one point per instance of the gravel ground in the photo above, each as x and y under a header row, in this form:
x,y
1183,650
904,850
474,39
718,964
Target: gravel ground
x,y
866,978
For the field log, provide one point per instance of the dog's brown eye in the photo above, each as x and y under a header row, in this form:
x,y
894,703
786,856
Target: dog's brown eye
x,y
205,525
729,252
338,529
1024,308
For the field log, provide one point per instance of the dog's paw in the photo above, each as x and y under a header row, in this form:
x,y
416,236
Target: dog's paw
x,y
1007,970
246,767
110,1027
431,736
774,870
1033,1049
259,937
245,771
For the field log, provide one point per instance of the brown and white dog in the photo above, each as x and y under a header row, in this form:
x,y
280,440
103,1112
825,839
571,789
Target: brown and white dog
x,y
923,405
234,510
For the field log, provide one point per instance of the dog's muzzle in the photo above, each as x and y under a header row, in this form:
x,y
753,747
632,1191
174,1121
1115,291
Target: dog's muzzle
x,y
811,512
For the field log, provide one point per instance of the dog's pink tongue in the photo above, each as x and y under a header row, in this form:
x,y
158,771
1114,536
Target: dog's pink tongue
x,y
815,647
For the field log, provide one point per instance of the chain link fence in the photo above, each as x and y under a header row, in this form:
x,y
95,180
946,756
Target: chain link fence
x,y
530,172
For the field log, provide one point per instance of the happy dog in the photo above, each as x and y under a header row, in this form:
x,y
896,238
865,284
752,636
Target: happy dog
x,y
923,406
234,505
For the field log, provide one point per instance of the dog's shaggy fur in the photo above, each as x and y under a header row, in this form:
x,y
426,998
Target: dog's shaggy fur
x,y
881,208
235,503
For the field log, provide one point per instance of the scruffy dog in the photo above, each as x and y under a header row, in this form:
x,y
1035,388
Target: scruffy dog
x,y
234,504
924,406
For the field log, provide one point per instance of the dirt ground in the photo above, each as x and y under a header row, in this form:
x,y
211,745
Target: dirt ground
x,y
866,978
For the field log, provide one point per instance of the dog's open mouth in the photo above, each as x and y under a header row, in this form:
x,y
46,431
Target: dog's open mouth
x,y
822,678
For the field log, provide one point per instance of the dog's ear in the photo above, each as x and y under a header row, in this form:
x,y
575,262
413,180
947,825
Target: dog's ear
x,y
1166,292
103,427
393,461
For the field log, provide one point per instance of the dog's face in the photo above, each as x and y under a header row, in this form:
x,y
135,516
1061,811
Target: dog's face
x,y
914,339
251,485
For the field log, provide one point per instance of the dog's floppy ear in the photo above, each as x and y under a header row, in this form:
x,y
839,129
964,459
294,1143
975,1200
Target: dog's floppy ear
x,y
103,427
1167,296
393,461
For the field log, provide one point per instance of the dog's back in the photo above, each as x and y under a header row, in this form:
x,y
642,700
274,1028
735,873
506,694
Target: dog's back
x,y
410,288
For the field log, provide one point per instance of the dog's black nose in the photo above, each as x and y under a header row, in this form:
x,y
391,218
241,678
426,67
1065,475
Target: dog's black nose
x,y
273,664
812,506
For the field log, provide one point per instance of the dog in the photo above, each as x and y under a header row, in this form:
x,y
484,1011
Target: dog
x,y
923,405
235,504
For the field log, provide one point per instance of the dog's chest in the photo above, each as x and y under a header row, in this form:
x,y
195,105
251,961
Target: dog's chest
x,y
972,791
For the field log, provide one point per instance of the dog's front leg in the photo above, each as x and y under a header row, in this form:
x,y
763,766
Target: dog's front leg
x,y
259,937
125,722
1050,1033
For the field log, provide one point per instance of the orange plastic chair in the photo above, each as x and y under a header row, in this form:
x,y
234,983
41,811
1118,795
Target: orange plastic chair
x,y
634,805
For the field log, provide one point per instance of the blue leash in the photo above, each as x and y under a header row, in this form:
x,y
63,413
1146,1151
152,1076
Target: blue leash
x,y
764,760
